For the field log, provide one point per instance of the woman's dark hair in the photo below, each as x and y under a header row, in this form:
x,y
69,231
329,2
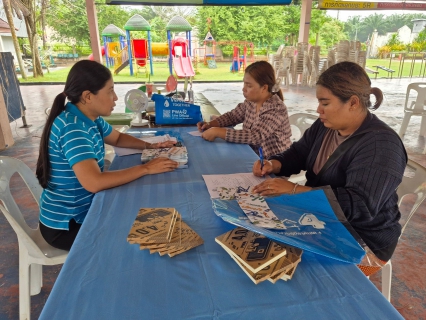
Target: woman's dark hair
x,y
84,75
347,79
263,73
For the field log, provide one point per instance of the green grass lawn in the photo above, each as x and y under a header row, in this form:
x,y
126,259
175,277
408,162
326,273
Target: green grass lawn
x,y
396,65
160,69
222,72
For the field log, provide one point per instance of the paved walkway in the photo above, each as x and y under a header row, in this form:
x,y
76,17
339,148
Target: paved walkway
x,y
225,96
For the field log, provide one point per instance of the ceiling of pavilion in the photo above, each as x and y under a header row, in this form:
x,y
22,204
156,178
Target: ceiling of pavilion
x,y
202,2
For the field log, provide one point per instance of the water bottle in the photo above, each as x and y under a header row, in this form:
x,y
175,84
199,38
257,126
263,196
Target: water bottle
x,y
190,96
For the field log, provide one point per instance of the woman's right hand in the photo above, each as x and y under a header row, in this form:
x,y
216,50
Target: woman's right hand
x,y
260,172
203,126
160,165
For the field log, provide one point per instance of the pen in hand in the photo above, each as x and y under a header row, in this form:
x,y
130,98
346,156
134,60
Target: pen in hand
x,y
261,157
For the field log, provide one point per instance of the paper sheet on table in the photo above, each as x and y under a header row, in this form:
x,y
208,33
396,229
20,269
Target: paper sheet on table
x,y
231,186
155,139
195,133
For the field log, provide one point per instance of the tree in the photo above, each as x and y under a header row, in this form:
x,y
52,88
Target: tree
x,y
375,22
353,26
331,33
258,24
20,11
422,36
393,40
394,22
108,14
30,22
69,20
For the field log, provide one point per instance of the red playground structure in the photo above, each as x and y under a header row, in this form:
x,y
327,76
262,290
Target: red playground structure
x,y
140,51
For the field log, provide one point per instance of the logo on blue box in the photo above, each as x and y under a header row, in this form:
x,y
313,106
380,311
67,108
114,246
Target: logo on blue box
x,y
172,111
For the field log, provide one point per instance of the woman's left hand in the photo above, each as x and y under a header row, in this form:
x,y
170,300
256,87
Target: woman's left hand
x,y
213,133
271,187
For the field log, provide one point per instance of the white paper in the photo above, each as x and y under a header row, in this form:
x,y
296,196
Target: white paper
x,y
195,133
231,186
154,139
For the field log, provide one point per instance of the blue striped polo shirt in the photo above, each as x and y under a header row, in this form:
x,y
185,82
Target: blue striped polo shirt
x,y
73,138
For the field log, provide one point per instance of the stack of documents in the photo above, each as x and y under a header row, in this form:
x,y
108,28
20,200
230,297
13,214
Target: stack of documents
x,y
150,139
162,230
178,154
259,257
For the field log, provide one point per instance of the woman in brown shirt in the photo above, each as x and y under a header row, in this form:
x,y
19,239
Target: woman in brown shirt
x,y
263,114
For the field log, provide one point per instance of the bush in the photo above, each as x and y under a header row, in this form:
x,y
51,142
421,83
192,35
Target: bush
x,y
384,51
398,47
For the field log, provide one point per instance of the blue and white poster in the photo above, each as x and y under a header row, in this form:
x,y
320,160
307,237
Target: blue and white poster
x,y
309,223
173,111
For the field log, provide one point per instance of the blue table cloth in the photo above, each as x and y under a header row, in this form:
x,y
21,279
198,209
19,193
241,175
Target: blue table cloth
x,y
105,277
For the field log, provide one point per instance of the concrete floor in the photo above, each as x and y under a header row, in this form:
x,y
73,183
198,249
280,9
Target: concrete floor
x,y
409,260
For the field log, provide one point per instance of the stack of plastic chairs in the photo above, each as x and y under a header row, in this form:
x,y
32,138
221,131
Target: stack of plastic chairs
x,y
342,51
362,58
314,54
302,47
307,68
283,71
331,58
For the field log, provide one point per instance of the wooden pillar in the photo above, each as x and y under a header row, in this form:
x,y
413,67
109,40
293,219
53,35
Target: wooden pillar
x,y
93,29
305,20
6,138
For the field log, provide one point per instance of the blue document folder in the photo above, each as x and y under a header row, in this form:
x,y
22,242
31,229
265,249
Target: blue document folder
x,y
310,224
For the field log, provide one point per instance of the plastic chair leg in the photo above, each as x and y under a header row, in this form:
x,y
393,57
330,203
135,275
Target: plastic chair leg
x,y
24,285
387,280
404,124
423,127
36,278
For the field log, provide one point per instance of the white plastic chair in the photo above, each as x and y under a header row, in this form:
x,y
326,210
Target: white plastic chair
x,y
301,121
416,108
34,251
413,184
283,70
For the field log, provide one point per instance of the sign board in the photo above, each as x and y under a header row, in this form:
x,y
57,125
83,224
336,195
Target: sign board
x,y
173,111
357,5
10,85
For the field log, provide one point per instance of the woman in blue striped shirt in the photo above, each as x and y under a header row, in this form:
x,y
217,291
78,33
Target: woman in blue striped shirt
x,y
71,158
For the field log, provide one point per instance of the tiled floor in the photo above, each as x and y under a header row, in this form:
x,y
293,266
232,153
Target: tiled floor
x,y
409,260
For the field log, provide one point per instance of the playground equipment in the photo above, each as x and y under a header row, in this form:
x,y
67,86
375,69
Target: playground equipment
x,y
114,42
180,48
239,62
136,53
210,51
138,50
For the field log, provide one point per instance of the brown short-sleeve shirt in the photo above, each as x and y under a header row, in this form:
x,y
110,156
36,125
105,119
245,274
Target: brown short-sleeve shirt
x,y
269,129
